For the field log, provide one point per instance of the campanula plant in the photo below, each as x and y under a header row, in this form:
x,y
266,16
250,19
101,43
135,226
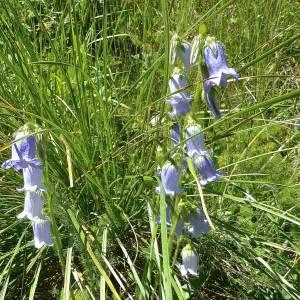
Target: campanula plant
x,y
187,142
25,158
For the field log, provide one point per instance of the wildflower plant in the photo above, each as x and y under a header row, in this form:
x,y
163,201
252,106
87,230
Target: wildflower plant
x,y
25,156
189,157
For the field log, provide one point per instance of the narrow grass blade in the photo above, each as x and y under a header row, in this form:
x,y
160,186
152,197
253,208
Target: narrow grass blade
x,y
35,282
102,279
4,289
166,274
91,253
68,274
271,51
133,270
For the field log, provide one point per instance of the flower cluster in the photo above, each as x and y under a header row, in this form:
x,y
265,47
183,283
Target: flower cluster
x,y
187,140
24,157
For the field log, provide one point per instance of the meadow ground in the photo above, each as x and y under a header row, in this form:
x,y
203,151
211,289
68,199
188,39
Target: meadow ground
x,y
92,75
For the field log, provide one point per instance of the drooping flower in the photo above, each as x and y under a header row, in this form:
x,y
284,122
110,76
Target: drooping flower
x,y
170,176
41,231
179,82
180,106
217,65
32,179
218,71
190,262
181,97
179,226
180,222
210,100
199,224
184,53
175,134
32,206
195,144
23,152
205,166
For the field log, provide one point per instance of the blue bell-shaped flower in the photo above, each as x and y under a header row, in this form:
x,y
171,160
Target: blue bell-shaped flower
x,y
41,231
23,152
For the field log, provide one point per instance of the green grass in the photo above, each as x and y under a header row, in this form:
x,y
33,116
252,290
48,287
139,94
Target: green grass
x,y
92,74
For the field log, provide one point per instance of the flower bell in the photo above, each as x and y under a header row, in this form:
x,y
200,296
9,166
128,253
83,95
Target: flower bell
x,y
170,176
199,224
41,230
32,179
205,166
190,262
217,65
195,144
23,152
184,53
32,206
210,100
180,106
218,71
180,100
179,82
175,134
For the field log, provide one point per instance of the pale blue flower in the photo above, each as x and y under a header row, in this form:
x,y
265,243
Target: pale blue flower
x,y
170,176
217,65
205,166
180,106
23,153
175,134
199,224
210,100
181,97
32,206
190,262
32,179
41,231
218,72
184,53
195,144
179,82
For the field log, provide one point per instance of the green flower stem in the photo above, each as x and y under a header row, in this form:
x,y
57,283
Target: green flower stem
x,y
178,242
55,232
173,230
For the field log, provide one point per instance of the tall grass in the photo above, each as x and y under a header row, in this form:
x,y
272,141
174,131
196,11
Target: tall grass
x,y
92,74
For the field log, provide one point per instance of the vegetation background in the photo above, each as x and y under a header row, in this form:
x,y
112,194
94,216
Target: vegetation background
x,y
93,74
